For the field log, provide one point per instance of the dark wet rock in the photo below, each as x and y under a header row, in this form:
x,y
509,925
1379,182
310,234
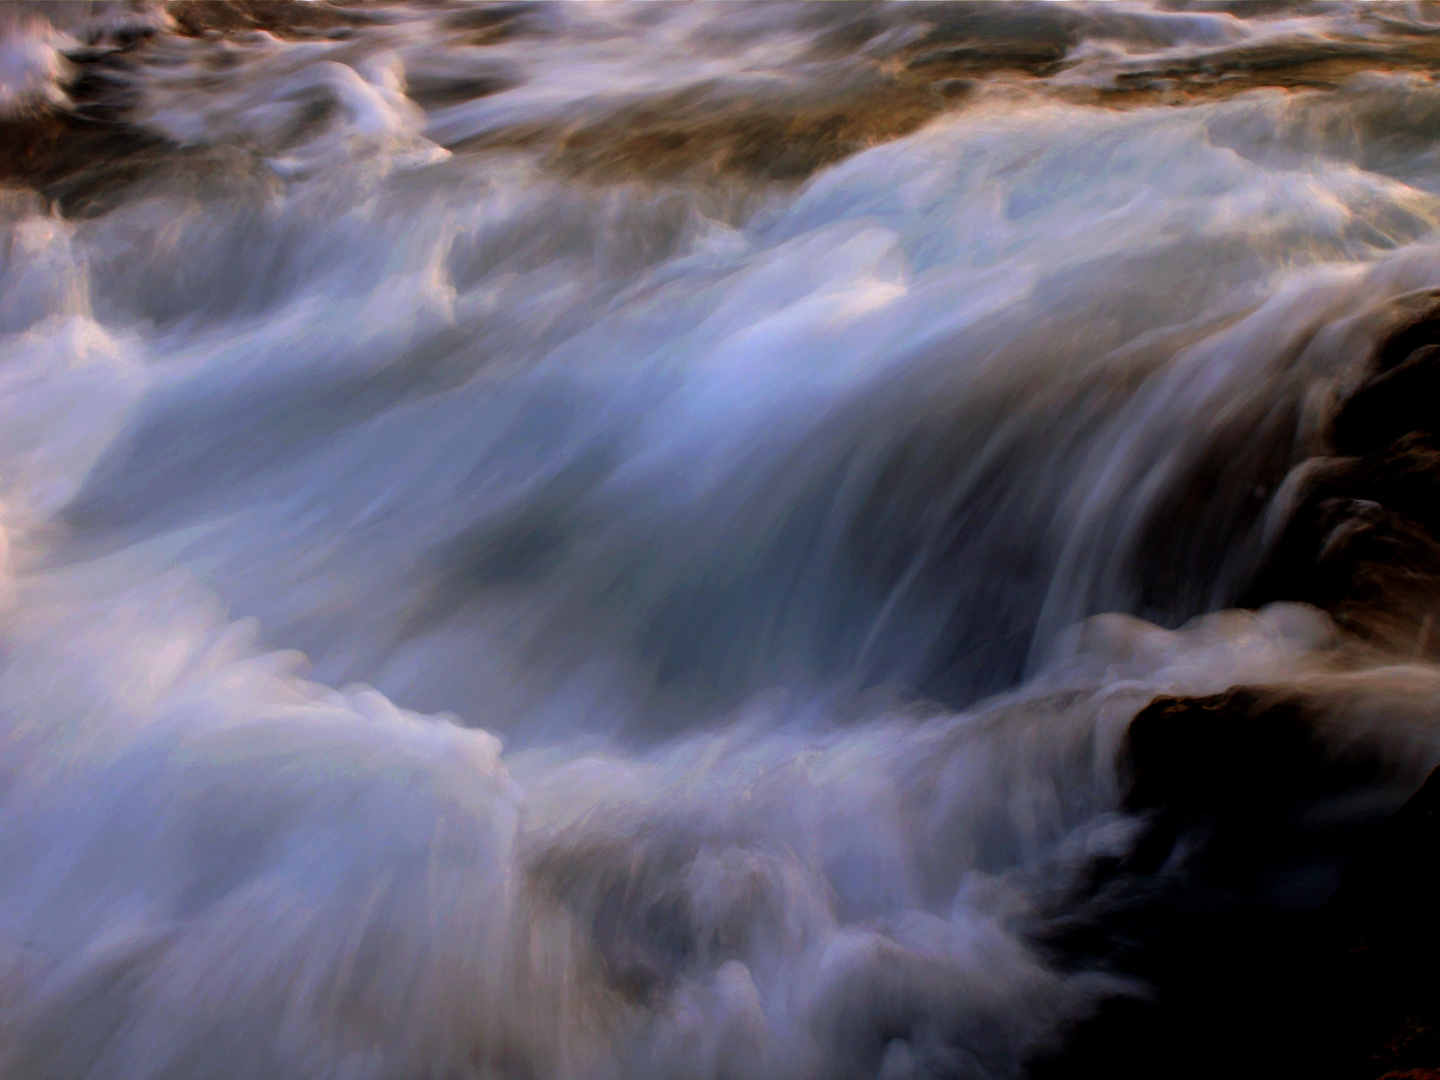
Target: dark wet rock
x,y
1365,546
871,95
1242,777
1037,57
1030,36
703,133
283,18
1392,45
80,162
83,152
1228,909
1382,946
755,142
1399,400
487,24
1363,539
1241,9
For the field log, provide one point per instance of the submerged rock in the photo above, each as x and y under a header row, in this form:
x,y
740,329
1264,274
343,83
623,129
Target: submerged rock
x,y
75,141
1258,804
283,18
1382,946
78,162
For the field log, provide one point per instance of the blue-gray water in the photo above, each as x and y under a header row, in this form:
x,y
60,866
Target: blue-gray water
x,y
489,593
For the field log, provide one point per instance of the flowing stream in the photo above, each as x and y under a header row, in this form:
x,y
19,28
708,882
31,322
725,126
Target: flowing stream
x,y
613,541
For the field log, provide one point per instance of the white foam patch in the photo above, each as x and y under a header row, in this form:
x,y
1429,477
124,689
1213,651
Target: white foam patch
x,y
31,66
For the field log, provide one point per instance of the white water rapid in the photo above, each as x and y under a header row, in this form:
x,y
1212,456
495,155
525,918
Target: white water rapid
x,y
478,605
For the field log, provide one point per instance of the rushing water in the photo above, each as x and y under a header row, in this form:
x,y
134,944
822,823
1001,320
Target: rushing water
x,y
535,550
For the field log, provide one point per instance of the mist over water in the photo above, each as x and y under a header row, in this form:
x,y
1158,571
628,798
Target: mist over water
x,y
614,541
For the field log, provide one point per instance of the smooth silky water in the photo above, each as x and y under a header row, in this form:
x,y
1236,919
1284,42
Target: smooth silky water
x,y
481,603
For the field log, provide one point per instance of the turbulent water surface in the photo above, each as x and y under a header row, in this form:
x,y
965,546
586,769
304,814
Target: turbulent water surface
x,y
623,541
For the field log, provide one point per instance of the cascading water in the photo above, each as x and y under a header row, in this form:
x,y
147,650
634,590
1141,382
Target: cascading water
x,y
557,542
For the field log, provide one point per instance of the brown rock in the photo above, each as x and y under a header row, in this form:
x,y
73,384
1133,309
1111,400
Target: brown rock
x,y
1363,543
1260,802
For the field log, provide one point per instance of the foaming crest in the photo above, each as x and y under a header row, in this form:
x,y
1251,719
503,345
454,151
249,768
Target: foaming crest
x,y
31,67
